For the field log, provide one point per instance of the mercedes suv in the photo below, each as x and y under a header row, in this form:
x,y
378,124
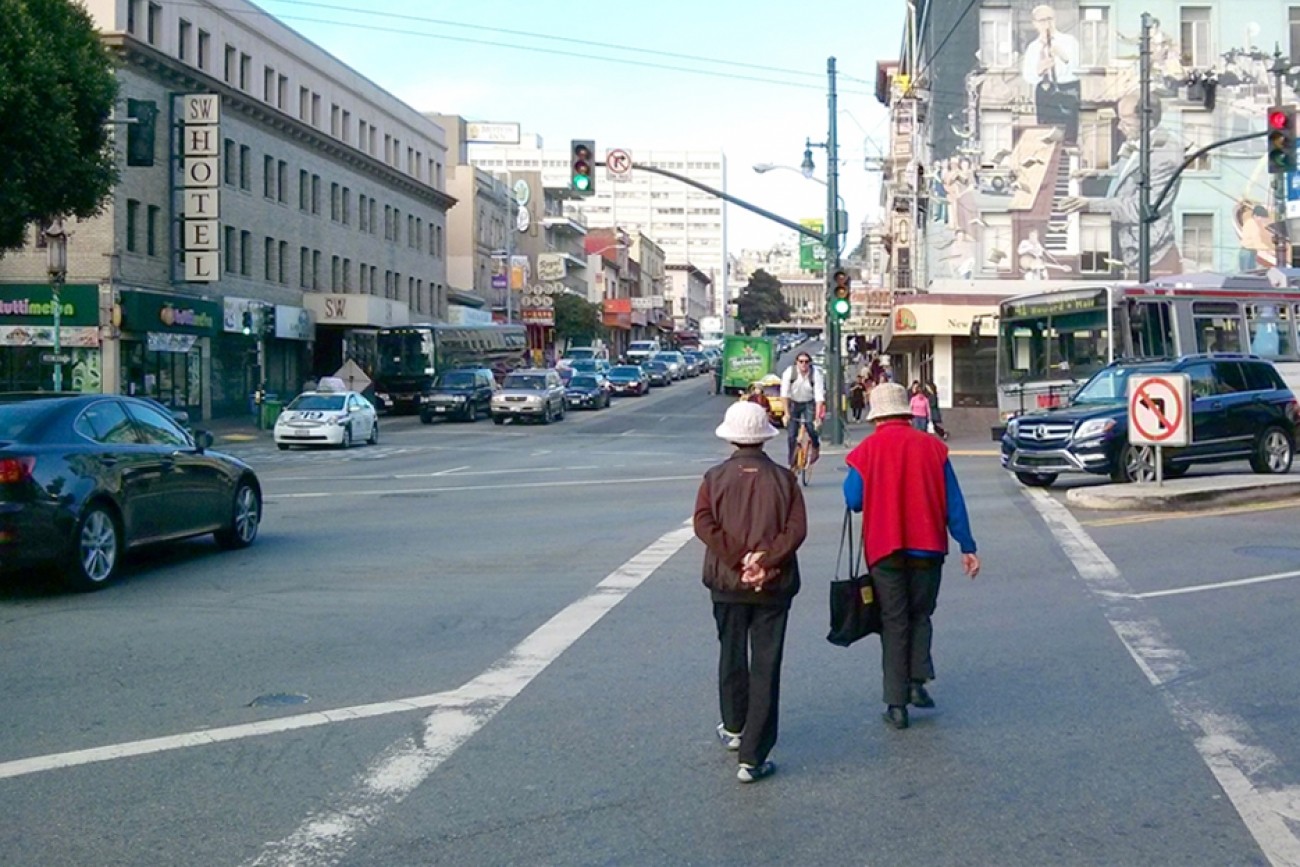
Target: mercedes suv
x,y
1240,410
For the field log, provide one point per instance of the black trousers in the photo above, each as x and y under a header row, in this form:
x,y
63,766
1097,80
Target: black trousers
x,y
752,639
907,589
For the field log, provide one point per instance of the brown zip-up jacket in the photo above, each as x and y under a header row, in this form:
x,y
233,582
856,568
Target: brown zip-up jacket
x,y
750,503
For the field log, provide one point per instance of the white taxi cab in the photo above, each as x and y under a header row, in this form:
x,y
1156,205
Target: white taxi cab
x,y
327,417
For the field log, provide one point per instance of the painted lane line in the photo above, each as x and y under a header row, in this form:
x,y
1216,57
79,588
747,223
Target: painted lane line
x,y
457,470
1223,740
324,837
456,699
271,498
1218,585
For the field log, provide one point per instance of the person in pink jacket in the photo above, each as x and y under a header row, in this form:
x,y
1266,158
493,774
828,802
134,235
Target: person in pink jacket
x,y
920,408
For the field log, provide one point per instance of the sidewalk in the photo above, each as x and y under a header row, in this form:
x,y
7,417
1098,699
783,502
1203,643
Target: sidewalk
x,y
234,429
1186,494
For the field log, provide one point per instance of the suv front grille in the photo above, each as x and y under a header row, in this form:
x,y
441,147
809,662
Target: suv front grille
x,y
1044,434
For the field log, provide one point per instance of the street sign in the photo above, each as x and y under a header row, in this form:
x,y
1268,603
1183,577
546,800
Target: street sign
x,y
1157,410
1292,195
51,358
618,165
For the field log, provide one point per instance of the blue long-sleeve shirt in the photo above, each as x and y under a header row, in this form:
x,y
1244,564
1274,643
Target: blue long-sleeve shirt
x,y
958,520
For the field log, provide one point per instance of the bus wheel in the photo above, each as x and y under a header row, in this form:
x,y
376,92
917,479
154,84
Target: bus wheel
x,y
1036,480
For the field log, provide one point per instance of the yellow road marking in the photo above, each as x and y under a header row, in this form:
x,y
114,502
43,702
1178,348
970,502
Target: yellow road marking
x,y
975,453
1207,513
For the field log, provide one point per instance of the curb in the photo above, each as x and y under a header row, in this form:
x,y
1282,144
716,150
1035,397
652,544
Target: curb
x,y
1183,494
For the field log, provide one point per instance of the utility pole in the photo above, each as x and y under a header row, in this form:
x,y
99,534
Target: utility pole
x,y
834,360
1279,180
1144,155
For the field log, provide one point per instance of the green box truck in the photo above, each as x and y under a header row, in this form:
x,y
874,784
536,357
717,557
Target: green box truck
x,y
744,360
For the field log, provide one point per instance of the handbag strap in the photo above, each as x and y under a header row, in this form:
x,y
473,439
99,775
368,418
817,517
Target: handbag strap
x,y
856,565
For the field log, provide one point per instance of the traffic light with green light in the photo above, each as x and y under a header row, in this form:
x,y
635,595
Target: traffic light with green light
x,y
841,307
582,167
248,323
1281,139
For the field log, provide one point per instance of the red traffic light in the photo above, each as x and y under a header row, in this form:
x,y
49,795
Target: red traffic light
x,y
1277,119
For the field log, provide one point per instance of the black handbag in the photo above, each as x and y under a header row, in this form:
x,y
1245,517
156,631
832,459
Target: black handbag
x,y
855,613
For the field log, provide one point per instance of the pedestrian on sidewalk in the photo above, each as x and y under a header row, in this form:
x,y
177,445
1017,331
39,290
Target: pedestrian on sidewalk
x,y
920,407
936,414
858,397
903,483
749,513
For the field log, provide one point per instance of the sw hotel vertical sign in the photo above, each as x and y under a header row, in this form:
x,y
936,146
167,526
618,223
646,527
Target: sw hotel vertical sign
x,y
201,164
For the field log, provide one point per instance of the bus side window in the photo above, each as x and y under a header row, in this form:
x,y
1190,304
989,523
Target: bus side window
x,y
1152,329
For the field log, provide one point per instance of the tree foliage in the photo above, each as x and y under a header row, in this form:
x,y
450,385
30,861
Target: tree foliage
x,y
761,302
57,87
577,319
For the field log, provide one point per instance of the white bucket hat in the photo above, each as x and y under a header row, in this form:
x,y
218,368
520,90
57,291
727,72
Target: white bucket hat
x,y
889,399
746,424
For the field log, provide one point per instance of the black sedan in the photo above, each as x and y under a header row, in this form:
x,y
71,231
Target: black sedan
x,y
628,379
587,391
658,372
84,478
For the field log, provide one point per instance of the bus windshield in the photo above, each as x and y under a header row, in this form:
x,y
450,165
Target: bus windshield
x,y
405,353
1054,338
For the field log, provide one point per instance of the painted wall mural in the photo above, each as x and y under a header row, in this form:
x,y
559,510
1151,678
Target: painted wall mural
x,y
1034,170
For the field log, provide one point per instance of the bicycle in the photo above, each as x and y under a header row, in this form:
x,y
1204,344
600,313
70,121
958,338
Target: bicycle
x,y
804,457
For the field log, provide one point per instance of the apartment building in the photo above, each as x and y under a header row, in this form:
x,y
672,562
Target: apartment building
x,y
331,220
1014,150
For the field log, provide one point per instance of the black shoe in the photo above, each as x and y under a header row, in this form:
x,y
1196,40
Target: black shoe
x,y
896,716
919,697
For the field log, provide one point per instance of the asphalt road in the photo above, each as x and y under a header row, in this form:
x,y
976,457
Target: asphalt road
x,y
482,645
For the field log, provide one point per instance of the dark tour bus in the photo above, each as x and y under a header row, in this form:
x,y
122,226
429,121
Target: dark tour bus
x,y
411,356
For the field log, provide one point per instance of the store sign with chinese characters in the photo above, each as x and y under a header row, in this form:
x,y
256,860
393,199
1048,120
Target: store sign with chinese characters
x,y
201,180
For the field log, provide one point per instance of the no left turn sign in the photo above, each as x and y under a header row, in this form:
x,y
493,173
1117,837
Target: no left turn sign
x,y
1157,410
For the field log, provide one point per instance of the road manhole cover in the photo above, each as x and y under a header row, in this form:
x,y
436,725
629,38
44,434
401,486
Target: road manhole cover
x,y
278,699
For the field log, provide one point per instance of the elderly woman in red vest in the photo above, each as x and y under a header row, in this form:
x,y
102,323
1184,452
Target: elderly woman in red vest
x,y
902,482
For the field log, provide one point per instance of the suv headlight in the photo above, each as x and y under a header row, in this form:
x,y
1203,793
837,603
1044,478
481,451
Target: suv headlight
x,y
1013,427
1093,427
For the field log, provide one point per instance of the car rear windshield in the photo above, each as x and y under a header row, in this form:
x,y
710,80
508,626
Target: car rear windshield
x,y
536,383
317,403
456,378
584,382
579,352
17,418
624,371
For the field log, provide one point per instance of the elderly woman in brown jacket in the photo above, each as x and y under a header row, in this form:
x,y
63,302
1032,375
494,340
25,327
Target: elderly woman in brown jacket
x,y
749,513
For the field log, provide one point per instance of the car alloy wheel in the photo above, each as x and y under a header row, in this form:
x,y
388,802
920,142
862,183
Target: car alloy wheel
x,y
98,548
346,441
1273,452
1136,464
374,433
245,518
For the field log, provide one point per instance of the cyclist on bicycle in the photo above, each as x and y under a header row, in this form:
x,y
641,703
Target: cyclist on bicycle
x,y
803,388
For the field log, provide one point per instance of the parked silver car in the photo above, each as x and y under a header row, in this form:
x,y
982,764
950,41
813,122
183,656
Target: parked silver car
x,y
535,394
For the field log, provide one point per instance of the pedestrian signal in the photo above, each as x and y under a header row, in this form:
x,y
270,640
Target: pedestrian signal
x,y
1281,139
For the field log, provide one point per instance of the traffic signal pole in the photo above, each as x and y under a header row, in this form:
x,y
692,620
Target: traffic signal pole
x,y
1279,180
834,354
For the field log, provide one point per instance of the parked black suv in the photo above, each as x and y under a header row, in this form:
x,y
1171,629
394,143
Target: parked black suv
x,y
460,393
1240,409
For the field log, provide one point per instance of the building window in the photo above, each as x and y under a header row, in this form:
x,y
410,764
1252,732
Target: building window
x,y
131,18
183,31
268,85
1195,40
282,182
304,190
1094,36
996,47
245,168
205,49
995,136
374,216
229,162
315,194
365,279
437,248
361,134
282,92
336,204
304,267
1198,242
1094,244
304,103
268,177
1197,133
347,274
362,214
347,206
151,230
388,223
132,223
245,253
231,253
995,243
154,24
245,71
315,269
1095,139
269,271
336,273
232,65
344,126
282,260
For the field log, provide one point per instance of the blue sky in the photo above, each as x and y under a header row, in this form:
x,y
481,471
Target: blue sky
x,y
565,90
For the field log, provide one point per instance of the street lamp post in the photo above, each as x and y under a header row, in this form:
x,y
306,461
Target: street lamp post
x,y
56,242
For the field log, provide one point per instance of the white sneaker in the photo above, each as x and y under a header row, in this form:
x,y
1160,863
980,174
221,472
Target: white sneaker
x,y
754,773
730,740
